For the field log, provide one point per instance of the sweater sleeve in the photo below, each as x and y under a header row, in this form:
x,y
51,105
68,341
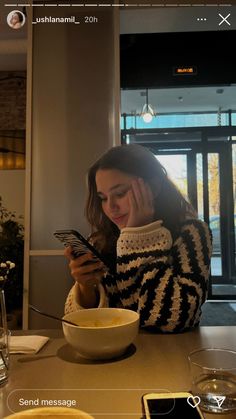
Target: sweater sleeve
x,y
165,282
72,302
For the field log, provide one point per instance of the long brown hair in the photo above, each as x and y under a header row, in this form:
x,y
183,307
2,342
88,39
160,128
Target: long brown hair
x,y
133,159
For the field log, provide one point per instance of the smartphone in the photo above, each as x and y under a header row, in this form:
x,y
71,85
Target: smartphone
x,y
170,405
80,245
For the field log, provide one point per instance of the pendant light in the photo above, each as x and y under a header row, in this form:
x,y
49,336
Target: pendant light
x,y
147,112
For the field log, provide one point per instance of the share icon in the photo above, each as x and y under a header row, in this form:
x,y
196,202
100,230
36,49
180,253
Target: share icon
x,y
219,400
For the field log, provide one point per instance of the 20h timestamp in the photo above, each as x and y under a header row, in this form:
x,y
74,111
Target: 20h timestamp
x,y
90,19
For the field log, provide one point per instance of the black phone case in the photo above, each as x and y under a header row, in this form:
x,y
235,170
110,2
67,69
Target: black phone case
x,y
79,245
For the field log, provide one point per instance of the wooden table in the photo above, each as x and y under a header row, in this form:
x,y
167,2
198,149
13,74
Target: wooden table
x,y
108,389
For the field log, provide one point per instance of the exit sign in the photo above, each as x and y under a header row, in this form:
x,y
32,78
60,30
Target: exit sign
x,y
185,70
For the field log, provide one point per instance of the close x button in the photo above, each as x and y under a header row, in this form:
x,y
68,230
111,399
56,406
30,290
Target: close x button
x,y
224,19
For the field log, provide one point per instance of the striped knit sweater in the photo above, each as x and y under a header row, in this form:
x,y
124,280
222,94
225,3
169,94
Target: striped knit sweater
x,y
165,282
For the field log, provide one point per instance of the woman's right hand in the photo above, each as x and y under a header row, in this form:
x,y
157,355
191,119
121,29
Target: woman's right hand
x,y
84,269
88,274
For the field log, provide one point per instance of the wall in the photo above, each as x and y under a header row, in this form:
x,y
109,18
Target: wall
x,y
12,124
12,191
74,109
153,44
12,100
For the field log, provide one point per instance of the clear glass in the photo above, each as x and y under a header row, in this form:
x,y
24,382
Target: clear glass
x,y
233,118
214,211
135,121
4,340
176,167
213,379
200,186
234,192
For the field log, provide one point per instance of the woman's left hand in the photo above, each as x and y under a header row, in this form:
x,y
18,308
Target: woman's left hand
x,y
141,204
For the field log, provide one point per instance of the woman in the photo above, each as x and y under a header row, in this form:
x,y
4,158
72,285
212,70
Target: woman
x,y
161,251
16,20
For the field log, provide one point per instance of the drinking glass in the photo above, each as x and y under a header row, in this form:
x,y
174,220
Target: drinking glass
x,y
4,340
213,376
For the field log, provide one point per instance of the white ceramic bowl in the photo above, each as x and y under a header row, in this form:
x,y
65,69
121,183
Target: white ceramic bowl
x,y
51,413
102,333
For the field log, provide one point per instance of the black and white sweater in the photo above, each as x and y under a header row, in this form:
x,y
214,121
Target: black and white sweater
x,y
165,282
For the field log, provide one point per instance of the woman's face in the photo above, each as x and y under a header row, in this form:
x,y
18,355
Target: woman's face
x,y
112,188
15,19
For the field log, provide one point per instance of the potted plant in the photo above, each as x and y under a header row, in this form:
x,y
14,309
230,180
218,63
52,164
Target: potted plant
x,y
5,268
12,248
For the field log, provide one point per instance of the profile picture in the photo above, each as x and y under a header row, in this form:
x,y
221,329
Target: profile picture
x,y
16,19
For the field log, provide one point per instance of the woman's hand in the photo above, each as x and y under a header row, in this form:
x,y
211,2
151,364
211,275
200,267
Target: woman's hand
x,y
141,204
87,273
84,269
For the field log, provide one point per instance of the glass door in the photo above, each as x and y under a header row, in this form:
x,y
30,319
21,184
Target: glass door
x,y
209,202
205,175
176,167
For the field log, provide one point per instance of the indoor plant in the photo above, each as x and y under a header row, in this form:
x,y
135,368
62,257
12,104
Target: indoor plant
x,y
12,249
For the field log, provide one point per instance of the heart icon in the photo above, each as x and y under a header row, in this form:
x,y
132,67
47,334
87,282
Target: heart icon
x,y
193,401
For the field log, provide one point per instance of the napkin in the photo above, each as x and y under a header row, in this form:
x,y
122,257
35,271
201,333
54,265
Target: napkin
x,y
27,344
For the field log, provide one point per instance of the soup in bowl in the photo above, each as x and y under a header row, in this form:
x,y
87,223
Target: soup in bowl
x,y
102,333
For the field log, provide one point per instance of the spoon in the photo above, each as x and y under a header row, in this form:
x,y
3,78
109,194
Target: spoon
x,y
51,316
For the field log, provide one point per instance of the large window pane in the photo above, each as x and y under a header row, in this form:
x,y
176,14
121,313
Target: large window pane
x,y
214,211
234,192
200,186
136,121
176,167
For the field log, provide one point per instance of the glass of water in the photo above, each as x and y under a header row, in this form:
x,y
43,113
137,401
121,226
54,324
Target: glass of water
x,y
213,376
4,341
